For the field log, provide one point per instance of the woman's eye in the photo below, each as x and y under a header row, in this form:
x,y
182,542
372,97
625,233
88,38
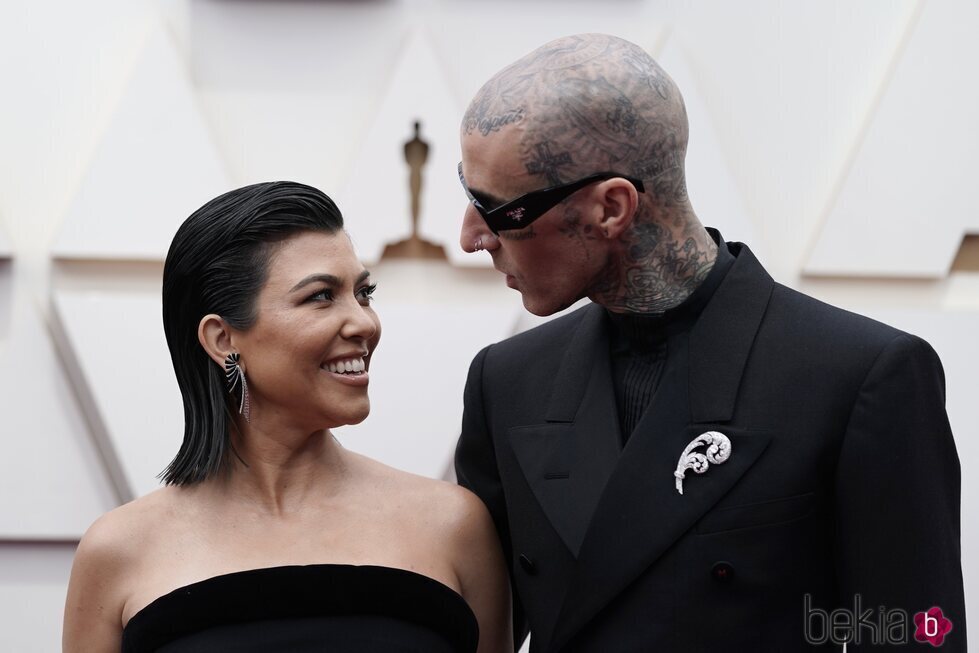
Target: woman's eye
x,y
323,295
366,293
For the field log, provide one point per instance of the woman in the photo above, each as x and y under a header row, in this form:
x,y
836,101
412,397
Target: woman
x,y
268,535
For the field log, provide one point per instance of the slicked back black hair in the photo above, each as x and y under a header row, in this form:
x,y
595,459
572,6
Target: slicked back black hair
x,y
217,263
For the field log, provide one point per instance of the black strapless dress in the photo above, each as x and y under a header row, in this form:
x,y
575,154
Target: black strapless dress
x,y
322,608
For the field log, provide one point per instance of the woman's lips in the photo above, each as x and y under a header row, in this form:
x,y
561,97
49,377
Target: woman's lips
x,y
357,380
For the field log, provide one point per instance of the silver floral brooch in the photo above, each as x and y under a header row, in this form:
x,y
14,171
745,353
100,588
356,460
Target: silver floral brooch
x,y
718,451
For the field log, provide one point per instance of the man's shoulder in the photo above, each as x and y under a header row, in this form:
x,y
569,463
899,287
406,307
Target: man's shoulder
x,y
812,314
551,335
831,335
794,311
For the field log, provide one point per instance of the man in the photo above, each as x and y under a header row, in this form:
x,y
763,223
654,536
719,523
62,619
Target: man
x,y
701,459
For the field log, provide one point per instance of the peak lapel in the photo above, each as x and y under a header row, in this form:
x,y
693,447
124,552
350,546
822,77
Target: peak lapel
x,y
723,335
568,460
640,514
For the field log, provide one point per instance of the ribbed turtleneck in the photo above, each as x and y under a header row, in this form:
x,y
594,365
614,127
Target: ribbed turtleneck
x,y
639,344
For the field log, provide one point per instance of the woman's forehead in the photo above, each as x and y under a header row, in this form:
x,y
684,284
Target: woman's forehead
x,y
313,252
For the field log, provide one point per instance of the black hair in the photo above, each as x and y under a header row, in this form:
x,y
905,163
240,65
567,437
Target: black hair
x,y
217,263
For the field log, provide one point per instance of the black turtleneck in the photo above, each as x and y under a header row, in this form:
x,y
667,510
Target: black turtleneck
x,y
638,344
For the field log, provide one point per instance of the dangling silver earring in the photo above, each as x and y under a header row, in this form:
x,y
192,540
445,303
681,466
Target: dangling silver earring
x,y
233,373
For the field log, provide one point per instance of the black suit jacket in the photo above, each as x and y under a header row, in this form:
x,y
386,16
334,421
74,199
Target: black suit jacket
x,y
843,478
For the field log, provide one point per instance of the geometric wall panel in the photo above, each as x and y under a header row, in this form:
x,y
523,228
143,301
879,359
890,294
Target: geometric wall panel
x,y
155,165
33,581
908,197
967,256
114,346
713,192
52,481
376,199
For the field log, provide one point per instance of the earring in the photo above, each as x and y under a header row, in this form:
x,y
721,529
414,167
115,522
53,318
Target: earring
x,y
233,374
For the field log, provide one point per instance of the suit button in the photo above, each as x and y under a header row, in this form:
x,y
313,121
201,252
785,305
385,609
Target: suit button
x,y
723,571
528,565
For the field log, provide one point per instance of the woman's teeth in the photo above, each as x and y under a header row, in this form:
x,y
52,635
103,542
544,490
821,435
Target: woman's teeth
x,y
351,366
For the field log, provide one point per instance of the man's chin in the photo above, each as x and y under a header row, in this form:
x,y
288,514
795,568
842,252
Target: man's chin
x,y
541,307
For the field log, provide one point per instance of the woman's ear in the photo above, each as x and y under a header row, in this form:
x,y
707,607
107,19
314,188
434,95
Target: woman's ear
x,y
620,201
214,335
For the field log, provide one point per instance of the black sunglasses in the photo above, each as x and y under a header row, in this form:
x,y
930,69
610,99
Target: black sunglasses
x,y
520,212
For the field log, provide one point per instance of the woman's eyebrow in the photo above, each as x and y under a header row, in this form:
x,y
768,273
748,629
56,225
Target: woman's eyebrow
x,y
328,279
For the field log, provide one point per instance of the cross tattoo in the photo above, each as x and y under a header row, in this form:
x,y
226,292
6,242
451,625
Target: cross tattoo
x,y
547,164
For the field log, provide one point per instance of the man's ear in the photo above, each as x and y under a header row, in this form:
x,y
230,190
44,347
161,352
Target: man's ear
x,y
620,201
214,335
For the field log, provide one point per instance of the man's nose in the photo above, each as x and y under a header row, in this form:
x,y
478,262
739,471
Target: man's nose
x,y
475,235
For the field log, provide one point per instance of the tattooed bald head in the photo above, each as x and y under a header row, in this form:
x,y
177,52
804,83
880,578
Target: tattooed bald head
x,y
577,106
588,103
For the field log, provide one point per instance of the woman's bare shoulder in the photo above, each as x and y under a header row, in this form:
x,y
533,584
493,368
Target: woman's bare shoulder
x,y
119,536
106,561
440,505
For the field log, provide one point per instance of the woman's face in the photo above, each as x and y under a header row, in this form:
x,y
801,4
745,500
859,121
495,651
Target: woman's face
x,y
306,356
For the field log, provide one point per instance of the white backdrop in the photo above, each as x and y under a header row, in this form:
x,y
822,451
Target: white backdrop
x,y
838,139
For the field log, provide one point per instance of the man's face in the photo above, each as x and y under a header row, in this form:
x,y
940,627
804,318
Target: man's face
x,y
552,262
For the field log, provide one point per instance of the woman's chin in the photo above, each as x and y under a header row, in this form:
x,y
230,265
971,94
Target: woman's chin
x,y
353,414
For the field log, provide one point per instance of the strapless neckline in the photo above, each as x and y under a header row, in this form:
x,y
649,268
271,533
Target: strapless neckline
x,y
303,592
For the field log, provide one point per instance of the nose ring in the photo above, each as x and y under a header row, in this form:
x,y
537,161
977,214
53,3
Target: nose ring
x,y
478,245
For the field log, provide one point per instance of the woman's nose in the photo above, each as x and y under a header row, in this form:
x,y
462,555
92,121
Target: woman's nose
x,y
361,323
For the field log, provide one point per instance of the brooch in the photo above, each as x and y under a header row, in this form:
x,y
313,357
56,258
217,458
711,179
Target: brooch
x,y
718,451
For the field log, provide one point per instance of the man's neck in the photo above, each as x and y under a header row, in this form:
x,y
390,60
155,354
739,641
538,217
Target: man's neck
x,y
657,268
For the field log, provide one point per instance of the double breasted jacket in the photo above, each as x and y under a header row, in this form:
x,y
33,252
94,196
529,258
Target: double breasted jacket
x,y
841,491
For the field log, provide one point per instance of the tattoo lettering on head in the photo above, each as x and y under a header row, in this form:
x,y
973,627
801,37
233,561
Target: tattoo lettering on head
x,y
518,234
499,103
489,124
475,112
547,164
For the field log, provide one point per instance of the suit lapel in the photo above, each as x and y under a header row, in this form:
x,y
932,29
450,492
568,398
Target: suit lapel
x,y
640,514
723,335
568,460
